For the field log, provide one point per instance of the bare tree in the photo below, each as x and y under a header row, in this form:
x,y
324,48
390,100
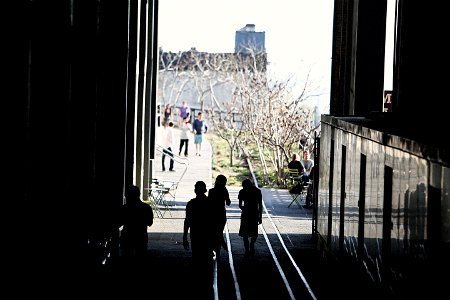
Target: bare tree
x,y
254,110
231,70
275,118
175,80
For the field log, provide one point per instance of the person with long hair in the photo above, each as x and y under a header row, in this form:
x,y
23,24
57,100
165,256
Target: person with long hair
x,y
250,203
219,197
167,114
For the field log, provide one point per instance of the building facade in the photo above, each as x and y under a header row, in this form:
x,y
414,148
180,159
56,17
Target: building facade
x,y
247,37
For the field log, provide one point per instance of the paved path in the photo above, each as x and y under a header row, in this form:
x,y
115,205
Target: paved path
x,y
200,168
285,238
166,233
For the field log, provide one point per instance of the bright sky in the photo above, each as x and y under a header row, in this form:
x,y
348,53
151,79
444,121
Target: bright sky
x,y
298,32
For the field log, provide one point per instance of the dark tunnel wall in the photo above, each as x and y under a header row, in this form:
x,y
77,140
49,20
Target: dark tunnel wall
x,y
419,67
76,109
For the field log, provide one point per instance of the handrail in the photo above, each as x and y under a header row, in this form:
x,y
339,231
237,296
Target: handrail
x,y
176,158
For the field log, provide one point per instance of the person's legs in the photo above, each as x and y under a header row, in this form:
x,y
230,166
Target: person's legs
x,y
163,160
197,142
141,249
246,246
204,277
217,246
305,179
186,147
252,245
308,201
185,143
224,244
202,259
181,147
171,159
220,243
200,140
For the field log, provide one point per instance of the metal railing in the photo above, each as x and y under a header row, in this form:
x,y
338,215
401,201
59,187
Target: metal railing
x,y
178,159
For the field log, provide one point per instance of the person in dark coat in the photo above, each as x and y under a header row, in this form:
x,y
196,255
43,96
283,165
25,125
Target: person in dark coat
x,y
296,164
199,223
136,217
219,197
250,203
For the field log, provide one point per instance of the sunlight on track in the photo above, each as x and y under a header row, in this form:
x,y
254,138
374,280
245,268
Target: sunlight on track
x,y
284,246
230,261
288,253
275,259
216,290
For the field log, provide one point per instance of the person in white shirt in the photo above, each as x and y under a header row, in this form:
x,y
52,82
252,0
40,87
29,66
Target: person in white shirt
x,y
186,130
308,165
167,139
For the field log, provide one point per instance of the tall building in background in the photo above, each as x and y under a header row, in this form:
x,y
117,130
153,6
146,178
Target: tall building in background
x,y
247,37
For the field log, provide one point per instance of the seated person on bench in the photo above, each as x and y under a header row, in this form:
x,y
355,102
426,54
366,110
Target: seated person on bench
x,y
296,164
307,165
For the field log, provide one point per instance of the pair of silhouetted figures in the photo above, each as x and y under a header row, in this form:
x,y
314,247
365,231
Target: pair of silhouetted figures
x,y
205,221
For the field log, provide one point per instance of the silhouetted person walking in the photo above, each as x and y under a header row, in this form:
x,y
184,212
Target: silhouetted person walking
x,y
136,217
200,225
250,203
219,197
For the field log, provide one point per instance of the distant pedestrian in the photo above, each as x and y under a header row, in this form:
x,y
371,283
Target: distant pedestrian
x,y
199,223
167,114
186,132
219,197
184,111
200,127
167,139
250,203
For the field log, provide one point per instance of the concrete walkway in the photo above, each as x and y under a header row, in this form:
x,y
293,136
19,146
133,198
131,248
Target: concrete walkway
x,y
285,235
166,232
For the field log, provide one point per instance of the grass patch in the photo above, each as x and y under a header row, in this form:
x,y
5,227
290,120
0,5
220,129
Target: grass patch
x,y
235,173
239,170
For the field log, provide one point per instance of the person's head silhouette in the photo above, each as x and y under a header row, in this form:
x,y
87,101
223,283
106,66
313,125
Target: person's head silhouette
x,y
246,183
221,181
200,187
132,194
